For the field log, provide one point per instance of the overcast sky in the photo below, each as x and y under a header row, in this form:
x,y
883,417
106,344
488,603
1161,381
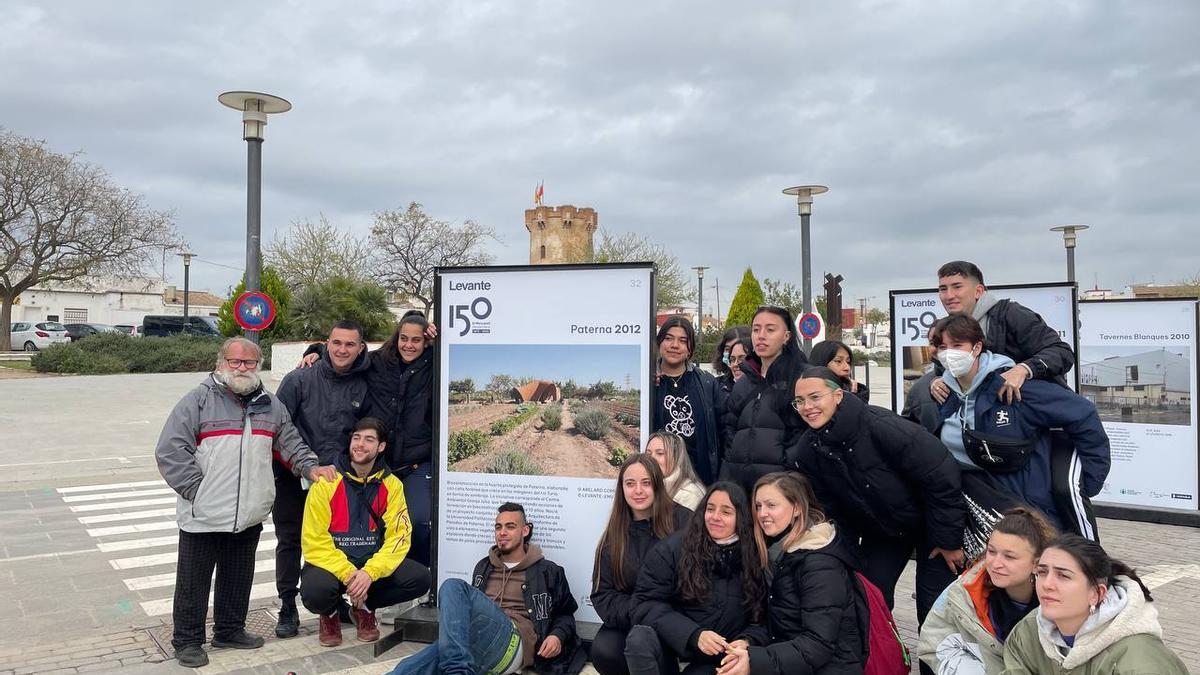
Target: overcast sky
x,y
944,129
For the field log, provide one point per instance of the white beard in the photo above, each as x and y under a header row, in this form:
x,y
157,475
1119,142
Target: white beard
x,y
238,382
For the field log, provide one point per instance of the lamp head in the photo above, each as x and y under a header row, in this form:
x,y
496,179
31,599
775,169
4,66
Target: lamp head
x,y
804,195
255,107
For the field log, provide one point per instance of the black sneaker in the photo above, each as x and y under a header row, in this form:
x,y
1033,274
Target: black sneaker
x,y
344,613
238,640
289,620
191,656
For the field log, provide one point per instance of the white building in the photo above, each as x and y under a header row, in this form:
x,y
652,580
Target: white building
x,y
109,300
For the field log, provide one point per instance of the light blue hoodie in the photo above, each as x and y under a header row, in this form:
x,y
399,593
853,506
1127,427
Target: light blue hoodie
x,y
952,428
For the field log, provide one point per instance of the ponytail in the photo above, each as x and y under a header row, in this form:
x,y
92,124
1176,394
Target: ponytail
x,y
1097,566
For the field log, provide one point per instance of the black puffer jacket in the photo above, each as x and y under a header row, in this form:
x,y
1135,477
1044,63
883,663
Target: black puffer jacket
x,y
402,396
877,472
325,404
656,602
613,601
813,614
759,424
1022,335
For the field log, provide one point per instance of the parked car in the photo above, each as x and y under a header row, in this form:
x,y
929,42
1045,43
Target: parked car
x,y
79,331
32,337
129,329
162,326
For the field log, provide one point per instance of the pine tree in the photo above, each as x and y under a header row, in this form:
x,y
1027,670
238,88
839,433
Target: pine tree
x,y
748,298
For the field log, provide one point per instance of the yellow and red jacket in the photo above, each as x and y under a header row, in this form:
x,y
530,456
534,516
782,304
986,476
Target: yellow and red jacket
x,y
357,523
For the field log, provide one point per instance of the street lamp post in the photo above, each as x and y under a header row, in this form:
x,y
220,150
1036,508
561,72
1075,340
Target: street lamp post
x,y
804,195
1068,233
187,268
700,300
255,107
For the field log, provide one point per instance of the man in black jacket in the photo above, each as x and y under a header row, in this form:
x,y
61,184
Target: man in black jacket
x,y
1009,328
325,401
889,484
517,612
1019,333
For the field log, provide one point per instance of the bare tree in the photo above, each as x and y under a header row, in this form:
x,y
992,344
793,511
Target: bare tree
x,y
672,286
308,253
409,245
62,219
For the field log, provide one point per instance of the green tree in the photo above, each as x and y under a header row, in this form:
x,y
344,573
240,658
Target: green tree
x,y
317,306
876,316
748,298
602,389
465,386
279,293
822,304
783,294
672,287
707,344
569,389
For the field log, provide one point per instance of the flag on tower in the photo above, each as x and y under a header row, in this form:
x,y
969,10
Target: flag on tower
x,y
537,194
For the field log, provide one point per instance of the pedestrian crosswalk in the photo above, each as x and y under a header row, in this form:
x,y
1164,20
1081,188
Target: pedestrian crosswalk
x,y
133,526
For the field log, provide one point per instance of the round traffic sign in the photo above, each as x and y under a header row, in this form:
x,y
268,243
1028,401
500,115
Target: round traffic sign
x,y
809,325
254,311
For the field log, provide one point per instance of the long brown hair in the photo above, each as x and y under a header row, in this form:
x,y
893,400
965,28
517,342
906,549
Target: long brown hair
x,y
616,533
699,555
798,490
681,461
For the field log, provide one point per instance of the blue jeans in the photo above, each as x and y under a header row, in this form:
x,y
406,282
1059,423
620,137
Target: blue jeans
x,y
473,634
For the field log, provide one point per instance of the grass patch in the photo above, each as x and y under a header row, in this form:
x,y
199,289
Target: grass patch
x,y
17,365
512,461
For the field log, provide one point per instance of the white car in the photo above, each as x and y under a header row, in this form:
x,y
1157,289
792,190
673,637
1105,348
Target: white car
x,y
32,337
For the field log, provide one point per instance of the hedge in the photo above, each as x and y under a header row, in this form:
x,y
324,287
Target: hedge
x,y
507,424
116,353
465,444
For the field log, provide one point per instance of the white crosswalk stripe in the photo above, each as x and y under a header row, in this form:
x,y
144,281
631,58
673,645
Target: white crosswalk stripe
x,y
116,515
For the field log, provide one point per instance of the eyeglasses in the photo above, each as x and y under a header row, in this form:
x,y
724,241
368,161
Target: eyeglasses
x,y
238,363
800,401
736,360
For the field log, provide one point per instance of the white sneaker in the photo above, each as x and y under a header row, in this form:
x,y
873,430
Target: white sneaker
x,y
387,615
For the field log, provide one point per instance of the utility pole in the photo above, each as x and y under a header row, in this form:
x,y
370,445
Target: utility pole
x,y
700,300
718,287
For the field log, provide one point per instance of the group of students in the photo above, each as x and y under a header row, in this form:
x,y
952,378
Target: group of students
x,y
771,585
990,434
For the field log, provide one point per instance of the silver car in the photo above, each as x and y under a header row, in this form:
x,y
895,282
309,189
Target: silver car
x,y
32,337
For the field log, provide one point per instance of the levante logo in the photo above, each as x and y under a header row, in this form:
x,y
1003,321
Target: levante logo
x,y
473,316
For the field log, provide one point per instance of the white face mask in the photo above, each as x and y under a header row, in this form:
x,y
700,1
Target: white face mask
x,y
957,361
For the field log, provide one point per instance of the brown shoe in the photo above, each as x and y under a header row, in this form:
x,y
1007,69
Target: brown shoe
x,y
364,621
331,631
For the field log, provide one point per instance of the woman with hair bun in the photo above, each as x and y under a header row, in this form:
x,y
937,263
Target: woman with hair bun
x,y
836,356
964,632
1096,617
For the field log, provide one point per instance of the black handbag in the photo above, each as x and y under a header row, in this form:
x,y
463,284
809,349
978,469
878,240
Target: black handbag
x,y
997,454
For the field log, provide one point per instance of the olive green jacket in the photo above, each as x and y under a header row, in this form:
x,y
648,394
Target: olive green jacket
x,y
1122,638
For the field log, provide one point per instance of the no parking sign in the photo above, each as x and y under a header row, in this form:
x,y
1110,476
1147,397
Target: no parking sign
x,y
254,311
809,326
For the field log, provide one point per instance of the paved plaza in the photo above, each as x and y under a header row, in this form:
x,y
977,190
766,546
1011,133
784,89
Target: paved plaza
x,y
88,544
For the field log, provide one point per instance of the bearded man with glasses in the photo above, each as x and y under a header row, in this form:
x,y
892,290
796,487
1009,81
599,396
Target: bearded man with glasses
x,y
215,451
891,486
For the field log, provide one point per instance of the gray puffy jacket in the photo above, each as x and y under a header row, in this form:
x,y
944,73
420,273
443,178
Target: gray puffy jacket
x,y
215,450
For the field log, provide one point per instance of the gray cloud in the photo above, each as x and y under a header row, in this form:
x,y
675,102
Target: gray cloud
x,y
945,129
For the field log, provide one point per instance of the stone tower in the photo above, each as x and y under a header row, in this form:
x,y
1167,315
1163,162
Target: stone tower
x,y
560,234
